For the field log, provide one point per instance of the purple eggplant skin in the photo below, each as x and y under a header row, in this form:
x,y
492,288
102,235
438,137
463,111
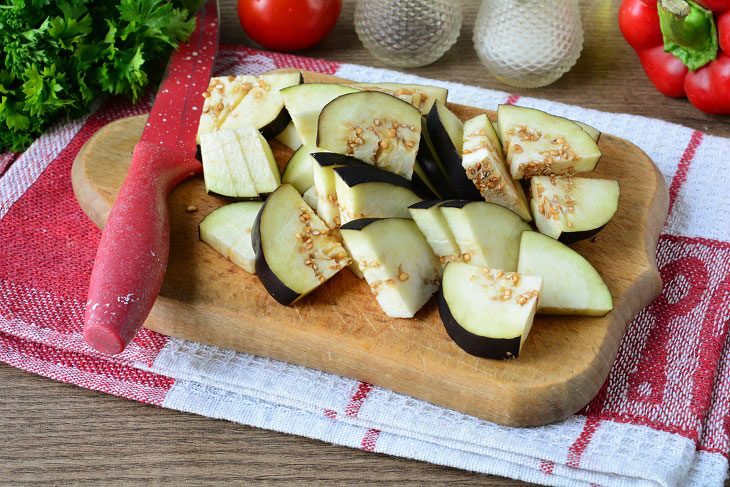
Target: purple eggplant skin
x,y
273,285
479,346
238,198
427,160
455,203
450,158
276,126
416,184
356,174
359,223
572,237
334,159
421,186
425,204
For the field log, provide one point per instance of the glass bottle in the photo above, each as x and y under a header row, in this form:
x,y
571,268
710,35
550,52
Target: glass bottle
x,y
528,43
408,33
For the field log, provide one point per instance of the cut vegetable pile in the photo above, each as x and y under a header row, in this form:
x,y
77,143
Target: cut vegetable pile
x,y
387,180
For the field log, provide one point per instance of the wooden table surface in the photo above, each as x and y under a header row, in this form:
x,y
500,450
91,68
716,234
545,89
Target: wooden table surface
x,y
60,433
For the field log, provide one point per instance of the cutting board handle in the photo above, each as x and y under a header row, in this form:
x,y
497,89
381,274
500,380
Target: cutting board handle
x,y
132,256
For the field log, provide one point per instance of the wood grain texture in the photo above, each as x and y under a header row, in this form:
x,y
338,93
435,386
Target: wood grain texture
x,y
340,328
47,425
59,434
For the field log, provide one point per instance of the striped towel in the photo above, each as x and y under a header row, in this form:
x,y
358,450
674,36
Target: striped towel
x,y
661,419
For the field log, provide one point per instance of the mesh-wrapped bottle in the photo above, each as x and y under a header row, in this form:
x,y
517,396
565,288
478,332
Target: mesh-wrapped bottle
x,y
528,43
408,33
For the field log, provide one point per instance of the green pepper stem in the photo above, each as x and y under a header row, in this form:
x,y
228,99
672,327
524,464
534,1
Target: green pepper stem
x,y
680,8
689,32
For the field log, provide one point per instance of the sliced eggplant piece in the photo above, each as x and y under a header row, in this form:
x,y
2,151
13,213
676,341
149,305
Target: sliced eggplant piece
x,y
398,264
368,192
259,159
354,267
420,96
323,165
537,143
572,208
571,285
495,126
228,230
224,167
295,252
446,132
421,181
305,102
298,170
488,235
488,312
433,225
374,127
289,137
224,93
310,196
484,165
594,133
263,105
428,161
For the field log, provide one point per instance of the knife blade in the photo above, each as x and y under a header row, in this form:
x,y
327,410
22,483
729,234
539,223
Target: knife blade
x,y
132,256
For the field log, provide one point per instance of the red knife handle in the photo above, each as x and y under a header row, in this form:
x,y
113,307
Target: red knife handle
x,y
132,256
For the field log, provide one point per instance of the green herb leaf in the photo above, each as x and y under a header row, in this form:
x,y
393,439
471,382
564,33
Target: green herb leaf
x,y
57,57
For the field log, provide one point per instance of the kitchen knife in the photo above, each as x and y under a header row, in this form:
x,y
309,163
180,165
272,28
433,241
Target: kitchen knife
x,y
132,256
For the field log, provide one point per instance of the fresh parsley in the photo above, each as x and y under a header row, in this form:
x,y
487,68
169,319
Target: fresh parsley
x,y
56,57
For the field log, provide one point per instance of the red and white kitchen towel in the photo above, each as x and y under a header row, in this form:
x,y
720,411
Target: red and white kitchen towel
x,y
661,419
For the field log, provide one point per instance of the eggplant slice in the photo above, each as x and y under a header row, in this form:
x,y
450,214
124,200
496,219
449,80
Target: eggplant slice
x,y
537,143
488,312
571,285
398,264
488,235
228,230
224,93
594,133
260,160
295,252
374,127
428,161
298,170
263,105
433,226
323,165
484,165
289,137
572,208
310,197
304,103
446,133
368,192
420,96
225,171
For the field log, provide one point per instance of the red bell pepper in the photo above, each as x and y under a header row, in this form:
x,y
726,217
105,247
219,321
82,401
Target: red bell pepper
x,y
684,47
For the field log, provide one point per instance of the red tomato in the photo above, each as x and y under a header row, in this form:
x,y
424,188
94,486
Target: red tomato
x,y
288,25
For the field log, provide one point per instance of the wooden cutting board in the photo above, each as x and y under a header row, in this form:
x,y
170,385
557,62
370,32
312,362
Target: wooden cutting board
x,y
340,328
